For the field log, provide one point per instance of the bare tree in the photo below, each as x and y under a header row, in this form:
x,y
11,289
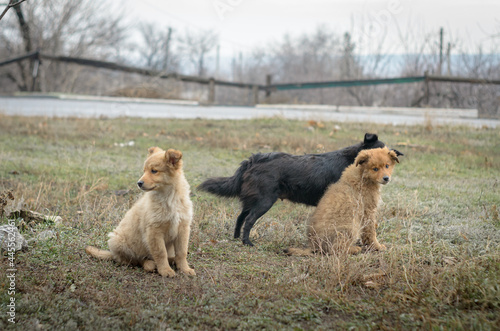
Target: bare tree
x,y
309,57
157,49
195,46
350,68
12,3
25,34
84,28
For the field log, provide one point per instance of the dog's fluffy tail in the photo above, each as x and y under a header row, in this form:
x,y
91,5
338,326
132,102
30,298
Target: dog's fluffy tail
x,y
299,251
226,186
99,253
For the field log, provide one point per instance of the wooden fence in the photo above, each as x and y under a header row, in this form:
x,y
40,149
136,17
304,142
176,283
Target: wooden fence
x,y
268,88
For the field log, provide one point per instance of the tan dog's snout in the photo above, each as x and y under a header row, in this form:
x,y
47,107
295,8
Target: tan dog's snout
x,y
143,186
145,183
385,175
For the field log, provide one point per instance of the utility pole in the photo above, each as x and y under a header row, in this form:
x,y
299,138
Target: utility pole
x,y
440,50
448,59
217,62
240,67
168,42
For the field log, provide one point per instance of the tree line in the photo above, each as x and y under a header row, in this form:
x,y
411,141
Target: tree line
x,y
100,30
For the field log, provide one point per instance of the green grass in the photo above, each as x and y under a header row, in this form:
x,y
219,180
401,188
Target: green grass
x,y
439,220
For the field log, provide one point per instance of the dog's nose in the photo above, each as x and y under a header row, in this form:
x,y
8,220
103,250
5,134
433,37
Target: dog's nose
x,y
140,183
386,179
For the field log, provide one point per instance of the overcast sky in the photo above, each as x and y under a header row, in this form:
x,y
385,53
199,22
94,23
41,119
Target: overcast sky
x,y
243,25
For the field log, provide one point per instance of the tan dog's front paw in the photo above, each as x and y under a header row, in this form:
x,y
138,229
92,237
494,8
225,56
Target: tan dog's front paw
x,y
189,272
354,250
378,247
149,265
166,272
382,248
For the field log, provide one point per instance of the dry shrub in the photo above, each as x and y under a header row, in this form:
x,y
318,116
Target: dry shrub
x,y
428,121
4,200
402,277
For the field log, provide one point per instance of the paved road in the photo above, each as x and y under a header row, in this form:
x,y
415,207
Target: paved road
x,y
73,106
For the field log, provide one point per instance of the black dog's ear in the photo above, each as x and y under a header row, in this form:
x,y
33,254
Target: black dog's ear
x,y
398,153
370,137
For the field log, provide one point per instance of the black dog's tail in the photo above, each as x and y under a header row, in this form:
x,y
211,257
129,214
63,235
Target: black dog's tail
x,y
226,186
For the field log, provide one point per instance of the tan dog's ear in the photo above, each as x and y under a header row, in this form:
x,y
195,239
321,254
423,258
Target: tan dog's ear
x,y
362,157
173,157
152,150
393,156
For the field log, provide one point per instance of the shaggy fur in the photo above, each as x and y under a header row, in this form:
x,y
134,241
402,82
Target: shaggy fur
x,y
263,178
156,229
348,209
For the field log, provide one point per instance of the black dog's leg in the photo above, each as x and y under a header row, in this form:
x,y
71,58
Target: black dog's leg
x,y
239,222
257,211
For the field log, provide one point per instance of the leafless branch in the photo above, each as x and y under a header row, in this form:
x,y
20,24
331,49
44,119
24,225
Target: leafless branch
x,y
11,3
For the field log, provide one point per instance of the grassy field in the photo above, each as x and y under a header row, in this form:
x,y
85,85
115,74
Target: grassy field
x,y
440,221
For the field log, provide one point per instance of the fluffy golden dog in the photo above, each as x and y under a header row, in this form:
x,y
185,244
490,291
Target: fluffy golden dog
x,y
156,229
347,210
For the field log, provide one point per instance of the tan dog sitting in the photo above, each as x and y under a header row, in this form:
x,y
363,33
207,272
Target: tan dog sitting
x,y
347,211
156,229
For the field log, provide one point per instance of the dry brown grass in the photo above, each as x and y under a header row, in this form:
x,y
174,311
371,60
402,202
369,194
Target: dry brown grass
x,y
439,220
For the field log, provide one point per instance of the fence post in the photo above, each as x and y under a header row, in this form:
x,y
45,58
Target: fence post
x,y
255,92
269,79
211,91
427,92
34,74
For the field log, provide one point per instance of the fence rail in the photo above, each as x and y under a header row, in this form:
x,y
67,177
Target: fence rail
x,y
347,83
37,56
455,79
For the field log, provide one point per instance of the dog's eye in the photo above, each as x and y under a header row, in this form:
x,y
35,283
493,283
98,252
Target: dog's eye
x,y
154,171
387,166
375,169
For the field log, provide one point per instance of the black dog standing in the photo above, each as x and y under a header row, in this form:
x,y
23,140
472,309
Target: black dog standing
x,y
265,178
